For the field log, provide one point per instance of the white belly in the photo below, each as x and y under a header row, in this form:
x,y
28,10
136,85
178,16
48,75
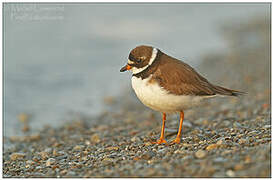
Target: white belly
x,y
156,98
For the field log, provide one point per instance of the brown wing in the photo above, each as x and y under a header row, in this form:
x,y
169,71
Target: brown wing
x,y
181,79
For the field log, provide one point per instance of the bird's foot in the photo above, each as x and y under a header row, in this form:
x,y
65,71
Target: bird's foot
x,y
160,141
176,141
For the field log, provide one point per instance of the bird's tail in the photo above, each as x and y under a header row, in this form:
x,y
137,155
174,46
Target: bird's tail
x,y
227,92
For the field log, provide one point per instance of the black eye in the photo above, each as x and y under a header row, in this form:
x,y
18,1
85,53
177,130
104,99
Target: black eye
x,y
138,60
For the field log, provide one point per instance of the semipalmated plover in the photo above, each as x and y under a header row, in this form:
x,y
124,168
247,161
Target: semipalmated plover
x,y
168,85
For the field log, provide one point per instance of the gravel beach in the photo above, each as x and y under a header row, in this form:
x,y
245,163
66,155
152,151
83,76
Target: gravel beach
x,y
225,137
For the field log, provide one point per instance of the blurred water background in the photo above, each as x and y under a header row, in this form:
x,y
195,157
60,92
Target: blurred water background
x,y
61,60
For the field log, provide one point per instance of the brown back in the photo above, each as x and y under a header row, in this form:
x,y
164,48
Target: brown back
x,y
179,78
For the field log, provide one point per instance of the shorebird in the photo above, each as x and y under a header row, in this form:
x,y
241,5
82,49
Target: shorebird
x,y
168,85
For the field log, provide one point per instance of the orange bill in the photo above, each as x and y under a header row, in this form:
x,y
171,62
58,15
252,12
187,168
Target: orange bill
x,y
125,68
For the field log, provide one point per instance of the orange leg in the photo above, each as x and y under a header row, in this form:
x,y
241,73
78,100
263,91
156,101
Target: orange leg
x,y
161,139
178,137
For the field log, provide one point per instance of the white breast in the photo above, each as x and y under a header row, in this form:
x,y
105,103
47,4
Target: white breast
x,y
157,98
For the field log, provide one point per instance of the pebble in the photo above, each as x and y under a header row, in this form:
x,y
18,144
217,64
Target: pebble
x,y
50,162
200,154
48,150
212,146
30,162
70,174
178,151
186,145
237,125
38,174
148,155
107,161
63,172
54,152
238,167
112,148
17,156
135,138
162,150
33,137
267,126
242,141
78,148
95,138
219,159
230,173
87,142
221,141
44,155
38,167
